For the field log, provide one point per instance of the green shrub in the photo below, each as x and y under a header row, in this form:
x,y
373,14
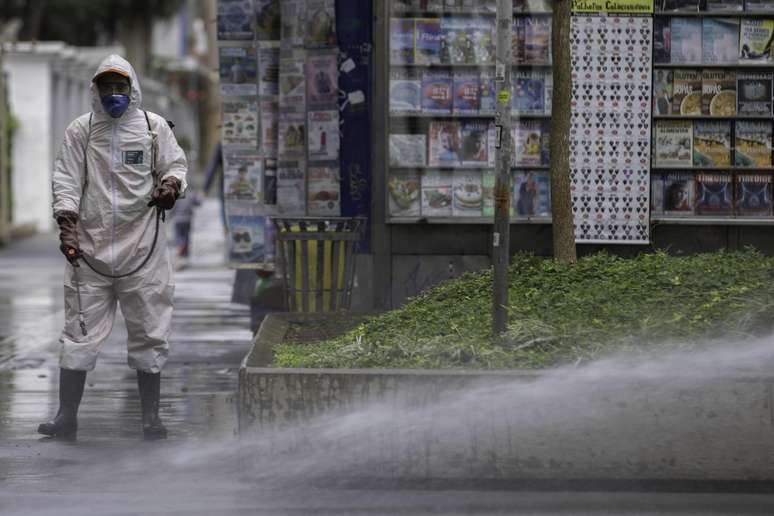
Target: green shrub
x,y
562,314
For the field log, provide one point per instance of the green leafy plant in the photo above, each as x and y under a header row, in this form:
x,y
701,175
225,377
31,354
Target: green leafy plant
x,y
562,314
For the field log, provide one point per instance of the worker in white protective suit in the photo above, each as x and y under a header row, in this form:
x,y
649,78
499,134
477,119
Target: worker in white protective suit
x,y
117,167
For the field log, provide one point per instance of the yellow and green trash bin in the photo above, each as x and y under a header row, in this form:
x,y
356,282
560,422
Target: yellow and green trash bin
x,y
317,260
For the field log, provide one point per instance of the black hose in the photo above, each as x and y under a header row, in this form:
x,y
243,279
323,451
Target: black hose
x,y
159,214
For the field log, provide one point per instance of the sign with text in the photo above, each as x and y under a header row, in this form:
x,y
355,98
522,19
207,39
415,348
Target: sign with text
x,y
613,6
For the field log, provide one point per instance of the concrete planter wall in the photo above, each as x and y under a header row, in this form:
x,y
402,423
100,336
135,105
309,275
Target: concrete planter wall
x,y
421,424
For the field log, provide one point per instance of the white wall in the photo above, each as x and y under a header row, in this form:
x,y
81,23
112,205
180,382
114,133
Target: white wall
x,y
29,97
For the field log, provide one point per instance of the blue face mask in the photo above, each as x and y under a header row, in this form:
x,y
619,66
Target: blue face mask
x,y
115,105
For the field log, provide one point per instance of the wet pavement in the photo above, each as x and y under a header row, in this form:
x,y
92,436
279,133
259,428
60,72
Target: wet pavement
x,y
203,468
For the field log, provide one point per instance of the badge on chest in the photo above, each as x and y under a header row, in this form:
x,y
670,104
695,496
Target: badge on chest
x,y
133,157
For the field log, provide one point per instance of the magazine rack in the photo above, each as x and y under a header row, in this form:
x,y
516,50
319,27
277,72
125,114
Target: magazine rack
x,y
316,256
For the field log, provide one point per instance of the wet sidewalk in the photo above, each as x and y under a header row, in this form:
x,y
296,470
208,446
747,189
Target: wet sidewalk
x,y
209,338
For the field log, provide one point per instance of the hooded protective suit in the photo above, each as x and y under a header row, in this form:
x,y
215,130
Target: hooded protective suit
x,y
103,173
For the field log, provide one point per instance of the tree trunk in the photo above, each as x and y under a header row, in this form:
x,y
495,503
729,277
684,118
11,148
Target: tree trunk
x,y
134,33
561,203
33,18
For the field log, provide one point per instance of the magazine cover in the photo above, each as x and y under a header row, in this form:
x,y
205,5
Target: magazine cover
x,y
320,24
527,145
433,6
456,42
724,5
268,69
518,43
674,143
487,92
474,148
759,5
662,40
437,193
467,194
718,92
243,177
681,5
401,41
657,194
753,195
404,189
685,43
292,27
753,92
235,20
408,150
238,71
466,91
292,135
529,93
537,39
405,91
437,92
755,40
240,124
686,99
720,40
322,78
269,128
267,20
444,143
483,30
323,192
532,6
548,77
531,194
752,144
292,86
714,194
323,144
662,91
246,238
678,193
711,144
402,6
291,189
427,42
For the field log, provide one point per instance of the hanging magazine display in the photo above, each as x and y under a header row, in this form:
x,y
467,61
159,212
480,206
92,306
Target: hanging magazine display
x,y
611,98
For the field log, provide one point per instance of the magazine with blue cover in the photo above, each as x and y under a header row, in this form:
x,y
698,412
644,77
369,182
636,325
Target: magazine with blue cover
x,y
529,93
531,193
466,92
686,40
720,40
427,42
401,41
405,91
437,92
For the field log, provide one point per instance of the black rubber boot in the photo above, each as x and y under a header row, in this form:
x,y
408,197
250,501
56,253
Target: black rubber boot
x,y
149,385
65,423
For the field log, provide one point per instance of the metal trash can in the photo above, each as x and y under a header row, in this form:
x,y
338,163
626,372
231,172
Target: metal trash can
x,y
317,262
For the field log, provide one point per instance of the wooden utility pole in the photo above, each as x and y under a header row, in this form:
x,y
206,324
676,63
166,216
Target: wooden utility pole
x,y
561,201
502,189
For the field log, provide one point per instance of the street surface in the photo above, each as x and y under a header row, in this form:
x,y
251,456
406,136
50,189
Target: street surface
x,y
203,469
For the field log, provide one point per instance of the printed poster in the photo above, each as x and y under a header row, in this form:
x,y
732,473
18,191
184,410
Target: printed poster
x,y
243,177
238,71
235,20
240,124
323,135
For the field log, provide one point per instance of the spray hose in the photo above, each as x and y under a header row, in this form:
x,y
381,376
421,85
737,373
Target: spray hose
x,y
159,217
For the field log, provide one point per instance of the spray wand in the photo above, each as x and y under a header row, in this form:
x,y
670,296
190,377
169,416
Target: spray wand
x,y
81,320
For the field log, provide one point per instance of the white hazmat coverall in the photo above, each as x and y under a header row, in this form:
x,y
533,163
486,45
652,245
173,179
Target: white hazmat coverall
x,y
110,192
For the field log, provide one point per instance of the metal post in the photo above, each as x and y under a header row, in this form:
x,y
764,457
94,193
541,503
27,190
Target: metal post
x,y
502,190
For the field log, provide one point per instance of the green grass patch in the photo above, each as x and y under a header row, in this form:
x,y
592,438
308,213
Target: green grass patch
x,y
561,314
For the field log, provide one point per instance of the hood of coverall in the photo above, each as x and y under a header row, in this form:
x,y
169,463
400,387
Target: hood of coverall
x,y
116,63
